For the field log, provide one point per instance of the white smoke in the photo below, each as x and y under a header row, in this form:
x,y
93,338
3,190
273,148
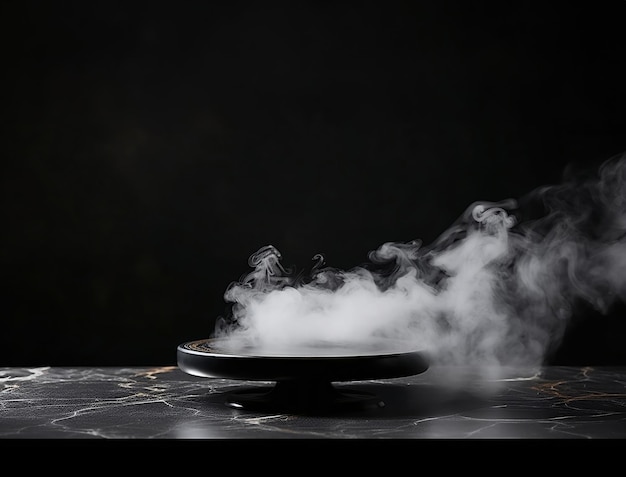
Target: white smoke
x,y
492,290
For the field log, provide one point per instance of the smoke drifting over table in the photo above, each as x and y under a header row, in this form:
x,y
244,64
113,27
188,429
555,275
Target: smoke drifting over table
x,y
498,287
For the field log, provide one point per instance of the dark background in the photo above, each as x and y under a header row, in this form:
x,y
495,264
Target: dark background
x,y
149,148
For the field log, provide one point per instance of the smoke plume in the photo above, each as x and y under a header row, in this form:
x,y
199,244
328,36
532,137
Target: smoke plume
x,y
498,287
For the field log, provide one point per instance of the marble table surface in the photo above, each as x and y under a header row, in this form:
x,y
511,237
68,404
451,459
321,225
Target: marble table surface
x,y
108,403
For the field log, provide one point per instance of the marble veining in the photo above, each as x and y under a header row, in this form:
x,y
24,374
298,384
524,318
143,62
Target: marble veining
x,y
442,403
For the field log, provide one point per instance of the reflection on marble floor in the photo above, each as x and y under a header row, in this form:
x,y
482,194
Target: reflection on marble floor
x,y
448,403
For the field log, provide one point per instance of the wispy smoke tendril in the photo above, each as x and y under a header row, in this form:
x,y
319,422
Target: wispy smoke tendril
x,y
492,289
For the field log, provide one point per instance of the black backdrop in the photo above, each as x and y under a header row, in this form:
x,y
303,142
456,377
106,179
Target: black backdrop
x,y
148,148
